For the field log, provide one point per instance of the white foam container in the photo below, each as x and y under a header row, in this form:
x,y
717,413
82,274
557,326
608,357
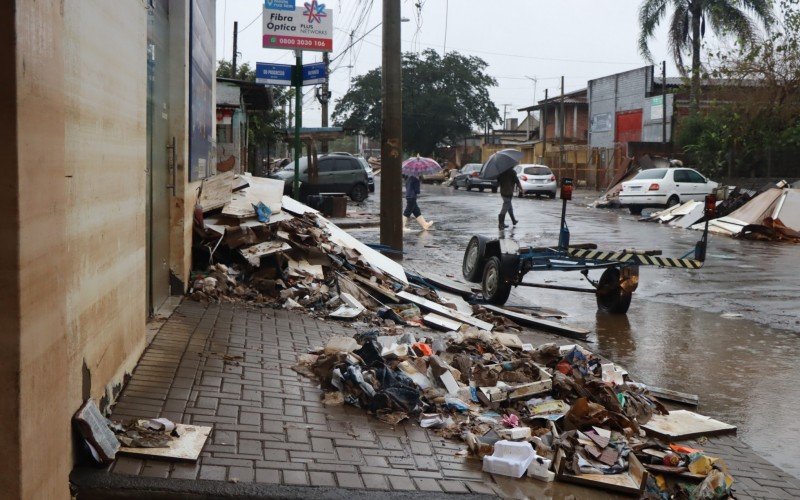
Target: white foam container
x,y
510,458
541,471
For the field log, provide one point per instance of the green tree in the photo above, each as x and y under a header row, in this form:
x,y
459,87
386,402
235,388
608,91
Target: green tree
x,y
687,27
443,99
264,128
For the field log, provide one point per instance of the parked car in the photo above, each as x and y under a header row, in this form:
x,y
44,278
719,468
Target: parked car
x,y
370,173
664,187
337,173
536,179
469,177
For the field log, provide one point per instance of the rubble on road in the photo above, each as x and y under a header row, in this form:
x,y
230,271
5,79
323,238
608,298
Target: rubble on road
x,y
295,258
549,412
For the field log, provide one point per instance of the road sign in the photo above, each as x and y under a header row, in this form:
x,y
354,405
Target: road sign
x,y
307,27
280,4
273,74
314,74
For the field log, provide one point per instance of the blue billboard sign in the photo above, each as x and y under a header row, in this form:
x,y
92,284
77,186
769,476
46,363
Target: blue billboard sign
x,y
279,4
273,74
314,74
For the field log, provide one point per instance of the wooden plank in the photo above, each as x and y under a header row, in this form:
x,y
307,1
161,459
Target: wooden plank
x,y
674,396
254,253
216,191
185,448
441,323
445,311
267,191
631,482
684,424
542,324
448,284
460,304
380,290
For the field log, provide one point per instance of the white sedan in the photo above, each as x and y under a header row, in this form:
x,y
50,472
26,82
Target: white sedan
x,y
536,179
664,187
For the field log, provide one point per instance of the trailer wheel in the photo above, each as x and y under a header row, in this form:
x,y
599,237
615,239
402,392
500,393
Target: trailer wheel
x,y
474,259
611,297
495,287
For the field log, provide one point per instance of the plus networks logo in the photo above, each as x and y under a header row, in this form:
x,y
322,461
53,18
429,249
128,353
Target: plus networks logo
x,y
314,11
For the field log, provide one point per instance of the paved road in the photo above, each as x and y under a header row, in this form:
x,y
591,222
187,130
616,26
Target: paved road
x,y
678,333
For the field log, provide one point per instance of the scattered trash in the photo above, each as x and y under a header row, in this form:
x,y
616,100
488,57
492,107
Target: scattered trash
x,y
94,428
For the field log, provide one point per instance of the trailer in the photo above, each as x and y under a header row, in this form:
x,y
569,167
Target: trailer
x,y
500,264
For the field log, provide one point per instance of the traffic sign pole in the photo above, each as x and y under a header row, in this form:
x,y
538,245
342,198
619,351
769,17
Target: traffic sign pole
x,y
297,74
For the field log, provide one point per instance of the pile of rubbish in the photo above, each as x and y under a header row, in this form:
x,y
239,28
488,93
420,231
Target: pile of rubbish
x,y
257,246
773,214
550,412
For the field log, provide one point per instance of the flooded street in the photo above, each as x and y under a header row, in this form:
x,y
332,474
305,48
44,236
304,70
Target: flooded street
x,y
729,332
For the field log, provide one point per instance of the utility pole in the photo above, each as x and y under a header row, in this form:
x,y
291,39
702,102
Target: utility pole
x,y
505,107
561,120
543,124
664,102
235,48
323,96
297,76
391,130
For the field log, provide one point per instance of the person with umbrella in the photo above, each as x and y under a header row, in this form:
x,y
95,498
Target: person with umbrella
x,y
500,166
413,168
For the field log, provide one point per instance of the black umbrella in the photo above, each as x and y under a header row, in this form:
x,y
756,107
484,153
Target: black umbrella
x,y
500,162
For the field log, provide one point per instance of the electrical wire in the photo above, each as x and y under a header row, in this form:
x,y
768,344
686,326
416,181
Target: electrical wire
x,y
251,22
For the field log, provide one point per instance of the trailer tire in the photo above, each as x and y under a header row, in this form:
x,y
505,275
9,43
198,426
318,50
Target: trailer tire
x,y
611,298
494,285
474,259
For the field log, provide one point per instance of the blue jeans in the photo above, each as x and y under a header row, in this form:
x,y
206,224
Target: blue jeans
x,y
411,208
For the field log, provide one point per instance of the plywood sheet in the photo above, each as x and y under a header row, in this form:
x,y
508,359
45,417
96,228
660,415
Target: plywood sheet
x,y
448,284
441,323
445,311
542,324
187,447
267,191
684,424
460,304
254,253
216,191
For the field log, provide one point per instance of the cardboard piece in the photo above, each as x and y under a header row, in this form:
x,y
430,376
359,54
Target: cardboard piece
x,y
187,447
631,482
683,424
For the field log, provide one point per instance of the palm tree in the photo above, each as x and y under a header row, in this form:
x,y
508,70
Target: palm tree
x,y
688,25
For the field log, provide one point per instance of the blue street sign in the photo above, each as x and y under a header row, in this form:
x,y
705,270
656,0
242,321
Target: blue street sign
x,y
313,74
273,74
279,4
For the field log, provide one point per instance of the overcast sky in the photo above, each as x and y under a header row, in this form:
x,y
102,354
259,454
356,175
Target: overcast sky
x,y
519,39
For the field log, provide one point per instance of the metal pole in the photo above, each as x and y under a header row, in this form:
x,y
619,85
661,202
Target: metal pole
x,y
391,130
543,125
298,120
664,102
323,99
235,48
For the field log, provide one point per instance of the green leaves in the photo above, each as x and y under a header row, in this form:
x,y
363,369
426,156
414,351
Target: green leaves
x,y
443,99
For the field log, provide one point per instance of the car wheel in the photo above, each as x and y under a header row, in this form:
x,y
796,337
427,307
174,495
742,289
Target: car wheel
x,y
494,285
474,260
552,196
494,190
359,193
611,297
635,210
672,201
469,187
455,187
480,189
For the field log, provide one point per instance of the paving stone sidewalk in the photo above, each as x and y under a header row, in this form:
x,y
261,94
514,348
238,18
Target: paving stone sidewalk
x,y
270,426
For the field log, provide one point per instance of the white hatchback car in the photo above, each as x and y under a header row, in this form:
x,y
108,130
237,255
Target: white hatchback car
x,y
536,179
664,187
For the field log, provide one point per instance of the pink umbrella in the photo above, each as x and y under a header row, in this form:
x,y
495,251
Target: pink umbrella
x,y
419,165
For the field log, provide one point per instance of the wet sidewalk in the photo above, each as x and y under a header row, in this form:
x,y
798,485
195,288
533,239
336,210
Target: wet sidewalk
x,y
230,367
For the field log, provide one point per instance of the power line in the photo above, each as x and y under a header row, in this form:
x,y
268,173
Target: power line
x,y
251,22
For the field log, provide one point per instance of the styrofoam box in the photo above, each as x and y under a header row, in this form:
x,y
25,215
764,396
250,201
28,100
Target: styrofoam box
x,y
510,458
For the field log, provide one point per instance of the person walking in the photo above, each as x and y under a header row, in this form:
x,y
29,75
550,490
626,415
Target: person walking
x,y
412,191
508,180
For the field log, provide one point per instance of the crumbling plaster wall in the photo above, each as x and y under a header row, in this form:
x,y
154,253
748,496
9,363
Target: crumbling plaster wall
x,y
76,239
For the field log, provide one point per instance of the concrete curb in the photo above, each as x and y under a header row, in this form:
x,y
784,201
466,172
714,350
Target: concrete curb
x,y
94,484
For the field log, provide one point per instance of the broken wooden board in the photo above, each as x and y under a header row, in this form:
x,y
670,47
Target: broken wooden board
x,y
267,191
630,482
216,191
303,267
441,323
448,284
254,253
674,396
542,324
374,287
93,426
684,424
505,392
445,311
460,304
186,448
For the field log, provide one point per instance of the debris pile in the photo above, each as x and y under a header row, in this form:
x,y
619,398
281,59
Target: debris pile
x,y
288,255
550,412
